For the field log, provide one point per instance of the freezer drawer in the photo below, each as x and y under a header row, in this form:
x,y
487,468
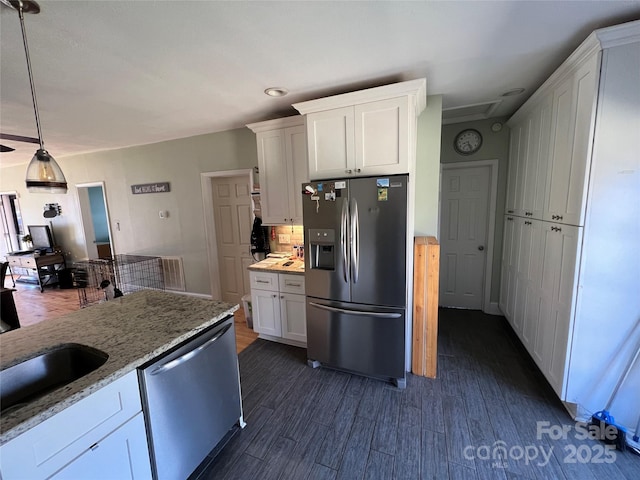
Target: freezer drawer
x,y
357,338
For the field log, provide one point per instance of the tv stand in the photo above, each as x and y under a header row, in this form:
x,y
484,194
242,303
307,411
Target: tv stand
x,y
40,269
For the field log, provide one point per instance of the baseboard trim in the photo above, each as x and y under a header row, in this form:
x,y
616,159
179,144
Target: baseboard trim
x,y
191,294
493,309
286,341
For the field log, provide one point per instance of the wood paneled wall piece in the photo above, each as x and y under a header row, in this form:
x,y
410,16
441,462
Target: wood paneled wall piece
x,y
425,306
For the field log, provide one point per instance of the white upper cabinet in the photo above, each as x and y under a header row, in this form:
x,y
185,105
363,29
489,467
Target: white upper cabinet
x,y
382,137
331,143
541,136
514,155
550,143
370,132
536,161
282,162
296,150
573,115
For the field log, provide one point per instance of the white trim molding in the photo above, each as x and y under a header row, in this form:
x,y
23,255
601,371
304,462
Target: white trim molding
x,y
101,184
488,307
416,88
210,224
293,121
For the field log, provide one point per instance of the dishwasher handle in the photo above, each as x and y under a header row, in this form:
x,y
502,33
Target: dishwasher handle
x,y
190,354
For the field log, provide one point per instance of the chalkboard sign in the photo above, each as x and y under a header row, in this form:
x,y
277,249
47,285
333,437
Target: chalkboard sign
x,y
158,187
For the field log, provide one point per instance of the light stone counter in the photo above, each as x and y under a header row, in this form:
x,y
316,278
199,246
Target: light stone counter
x,y
132,330
277,266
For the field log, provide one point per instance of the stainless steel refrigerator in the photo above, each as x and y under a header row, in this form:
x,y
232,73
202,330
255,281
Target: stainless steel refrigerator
x,y
355,281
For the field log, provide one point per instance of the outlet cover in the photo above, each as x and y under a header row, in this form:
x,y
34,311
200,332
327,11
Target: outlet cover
x,y
284,238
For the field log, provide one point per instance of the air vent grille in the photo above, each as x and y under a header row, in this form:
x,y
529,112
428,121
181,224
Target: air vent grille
x,y
173,274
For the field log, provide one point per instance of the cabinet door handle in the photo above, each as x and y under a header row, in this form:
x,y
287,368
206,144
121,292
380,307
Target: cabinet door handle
x,y
509,211
358,170
349,171
289,284
282,297
274,295
262,281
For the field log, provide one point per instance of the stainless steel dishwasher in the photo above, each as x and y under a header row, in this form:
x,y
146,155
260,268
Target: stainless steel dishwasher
x,y
192,399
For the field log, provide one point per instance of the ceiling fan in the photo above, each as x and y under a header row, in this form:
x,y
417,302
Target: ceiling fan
x,y
15,138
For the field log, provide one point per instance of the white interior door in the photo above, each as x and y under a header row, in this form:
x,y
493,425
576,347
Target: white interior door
x,y
233,220
463,229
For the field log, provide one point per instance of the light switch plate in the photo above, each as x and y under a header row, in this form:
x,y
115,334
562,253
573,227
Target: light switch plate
x,y
284,238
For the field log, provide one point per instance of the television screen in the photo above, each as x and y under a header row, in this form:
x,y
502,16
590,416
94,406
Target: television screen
x,y
41,236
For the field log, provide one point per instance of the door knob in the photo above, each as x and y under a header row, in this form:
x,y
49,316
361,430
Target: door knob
x,y
481,247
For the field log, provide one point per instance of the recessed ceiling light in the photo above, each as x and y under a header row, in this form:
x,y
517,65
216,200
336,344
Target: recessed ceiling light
x,y
512,93
276,91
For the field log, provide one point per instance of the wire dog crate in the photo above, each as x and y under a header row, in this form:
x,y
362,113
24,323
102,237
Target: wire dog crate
x,y
104,279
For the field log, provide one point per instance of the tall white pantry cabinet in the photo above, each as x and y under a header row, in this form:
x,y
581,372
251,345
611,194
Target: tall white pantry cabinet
x,y
571,257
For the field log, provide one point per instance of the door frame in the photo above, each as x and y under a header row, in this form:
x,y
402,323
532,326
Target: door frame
x,y
5,227
487,306
210,222
101,184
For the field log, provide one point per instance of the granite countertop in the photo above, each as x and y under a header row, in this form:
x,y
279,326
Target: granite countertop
x,y
276,265
132,329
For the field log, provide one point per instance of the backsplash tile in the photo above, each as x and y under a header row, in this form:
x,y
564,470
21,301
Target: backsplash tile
x,y
296,237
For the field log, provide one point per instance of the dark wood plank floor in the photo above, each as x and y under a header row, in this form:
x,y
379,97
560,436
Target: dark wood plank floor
x,y
322,424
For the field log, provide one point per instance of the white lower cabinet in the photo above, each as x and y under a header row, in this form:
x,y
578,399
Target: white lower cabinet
x,y
105,428
507,288
266,312
539,274
278,305
123,455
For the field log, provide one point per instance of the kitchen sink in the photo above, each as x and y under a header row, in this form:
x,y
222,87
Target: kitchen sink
x,y
44,373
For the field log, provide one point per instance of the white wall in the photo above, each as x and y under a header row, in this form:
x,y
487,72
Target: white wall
x,y
428,168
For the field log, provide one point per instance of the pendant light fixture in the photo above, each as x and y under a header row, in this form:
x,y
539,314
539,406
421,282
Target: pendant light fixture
x,y
43,173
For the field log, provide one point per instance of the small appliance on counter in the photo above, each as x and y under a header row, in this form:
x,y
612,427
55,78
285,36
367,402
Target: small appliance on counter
x,y
355,275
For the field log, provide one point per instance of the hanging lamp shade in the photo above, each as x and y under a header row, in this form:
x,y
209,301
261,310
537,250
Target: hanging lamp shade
x,y
44,175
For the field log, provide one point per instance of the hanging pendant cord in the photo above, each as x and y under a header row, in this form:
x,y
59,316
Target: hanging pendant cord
x,y
33,88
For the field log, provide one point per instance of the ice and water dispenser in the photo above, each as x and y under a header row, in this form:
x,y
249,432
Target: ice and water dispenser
x,y
322,242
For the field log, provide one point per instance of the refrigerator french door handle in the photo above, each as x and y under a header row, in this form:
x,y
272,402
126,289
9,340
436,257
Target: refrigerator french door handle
x,y
343,240
355,312
355,242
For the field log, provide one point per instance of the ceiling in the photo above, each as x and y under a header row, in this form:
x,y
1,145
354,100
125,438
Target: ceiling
x,y
111,74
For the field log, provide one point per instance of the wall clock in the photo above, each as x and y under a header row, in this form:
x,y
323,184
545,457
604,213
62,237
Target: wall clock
x,y
467,141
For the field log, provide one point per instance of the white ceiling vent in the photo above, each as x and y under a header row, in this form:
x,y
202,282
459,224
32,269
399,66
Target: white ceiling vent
x,y
467,113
